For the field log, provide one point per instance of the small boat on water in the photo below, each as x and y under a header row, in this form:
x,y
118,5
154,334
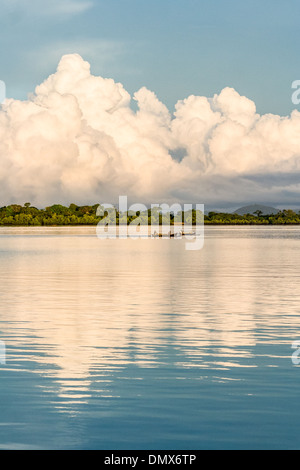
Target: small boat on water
x,y
190,234
162,235
172,234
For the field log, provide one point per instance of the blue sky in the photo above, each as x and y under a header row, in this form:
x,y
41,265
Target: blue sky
x,y
174,47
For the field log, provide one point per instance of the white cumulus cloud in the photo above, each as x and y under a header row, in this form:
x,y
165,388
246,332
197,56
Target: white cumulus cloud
x,y
78,139
47,8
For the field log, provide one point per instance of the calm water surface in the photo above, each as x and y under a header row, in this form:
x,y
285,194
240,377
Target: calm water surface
x,y
140,344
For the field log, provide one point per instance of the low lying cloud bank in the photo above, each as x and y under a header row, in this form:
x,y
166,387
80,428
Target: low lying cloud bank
x,y
78,139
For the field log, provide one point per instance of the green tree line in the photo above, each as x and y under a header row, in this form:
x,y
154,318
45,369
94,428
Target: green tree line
x,y
74,215
285,217
58,215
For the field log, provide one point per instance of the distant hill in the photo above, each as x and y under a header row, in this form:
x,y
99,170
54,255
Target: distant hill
x,y
252,209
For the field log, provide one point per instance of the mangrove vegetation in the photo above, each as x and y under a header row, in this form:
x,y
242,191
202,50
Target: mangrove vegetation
x,y
74,215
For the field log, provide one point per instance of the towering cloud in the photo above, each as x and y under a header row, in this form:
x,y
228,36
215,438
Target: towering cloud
x,y
79,139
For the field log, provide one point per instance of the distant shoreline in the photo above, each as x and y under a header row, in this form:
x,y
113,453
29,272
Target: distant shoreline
x,y
57,215
207,224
